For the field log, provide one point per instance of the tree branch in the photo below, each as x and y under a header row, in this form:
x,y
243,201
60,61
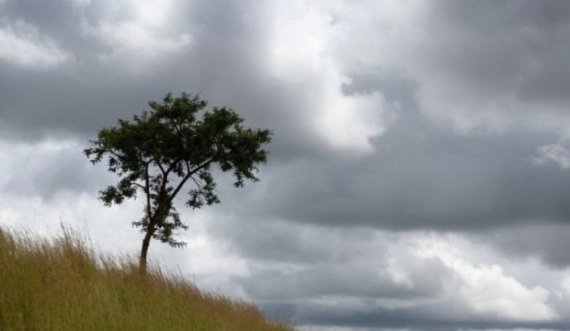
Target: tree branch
x,y
139,185
147,192
110,151
160,167
165,173
188,176
196,182
200,167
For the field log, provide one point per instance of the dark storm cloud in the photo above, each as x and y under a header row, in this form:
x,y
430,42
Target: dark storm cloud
x,y
61,20
224,62
422,177
507,57
546,242
87,91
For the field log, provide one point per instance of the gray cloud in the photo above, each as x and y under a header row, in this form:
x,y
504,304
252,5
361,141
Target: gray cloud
x,y
477,67
543,241
422,177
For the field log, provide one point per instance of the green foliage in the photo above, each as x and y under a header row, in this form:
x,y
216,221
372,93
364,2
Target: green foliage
x,y
158,152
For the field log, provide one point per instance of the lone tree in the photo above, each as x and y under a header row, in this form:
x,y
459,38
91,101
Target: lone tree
x,y
173,144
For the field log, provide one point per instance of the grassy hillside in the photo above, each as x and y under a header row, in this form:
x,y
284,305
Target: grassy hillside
x,y
62,285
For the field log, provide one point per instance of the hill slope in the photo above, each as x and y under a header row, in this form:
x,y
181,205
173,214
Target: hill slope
x,y
62,285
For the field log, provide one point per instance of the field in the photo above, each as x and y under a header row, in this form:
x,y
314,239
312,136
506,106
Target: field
x,y
62,284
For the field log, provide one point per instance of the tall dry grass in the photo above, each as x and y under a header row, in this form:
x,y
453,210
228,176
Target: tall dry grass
x,y
61,284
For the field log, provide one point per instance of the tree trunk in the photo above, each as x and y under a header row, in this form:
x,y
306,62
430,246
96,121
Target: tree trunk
x,y
154,220
144,248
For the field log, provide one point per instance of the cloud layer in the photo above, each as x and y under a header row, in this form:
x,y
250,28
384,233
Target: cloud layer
x,y
418,176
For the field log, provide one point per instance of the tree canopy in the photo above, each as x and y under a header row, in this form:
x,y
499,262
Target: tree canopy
x,y
175,143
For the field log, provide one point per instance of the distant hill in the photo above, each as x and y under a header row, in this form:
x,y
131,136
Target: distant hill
x,y
60,285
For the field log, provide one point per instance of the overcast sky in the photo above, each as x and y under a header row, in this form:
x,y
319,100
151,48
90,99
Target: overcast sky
x,y
419,177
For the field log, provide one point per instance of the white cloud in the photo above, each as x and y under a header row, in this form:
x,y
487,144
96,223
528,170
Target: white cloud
x,y
134,36
485,288
302,53
143,30
566,285
557,153
398,273
23,45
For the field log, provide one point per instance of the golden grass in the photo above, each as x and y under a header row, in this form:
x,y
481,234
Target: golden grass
x,y
60,285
